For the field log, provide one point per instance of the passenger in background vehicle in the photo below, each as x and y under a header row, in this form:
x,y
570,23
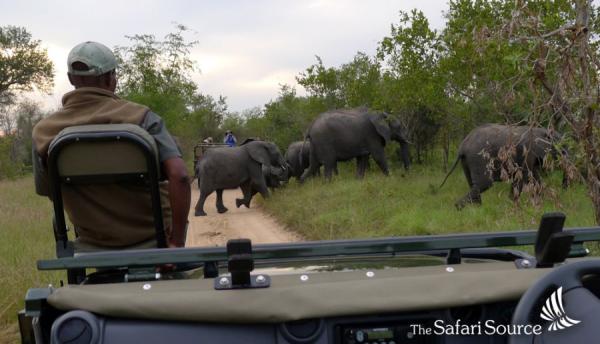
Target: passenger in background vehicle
x,y
230,139
112,216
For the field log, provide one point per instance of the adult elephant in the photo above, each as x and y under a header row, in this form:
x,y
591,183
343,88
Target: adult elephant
x,y
479,157
341,135
230,168
297,156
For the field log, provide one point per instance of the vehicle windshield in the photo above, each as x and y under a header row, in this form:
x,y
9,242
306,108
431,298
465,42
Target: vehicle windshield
x,y
309,121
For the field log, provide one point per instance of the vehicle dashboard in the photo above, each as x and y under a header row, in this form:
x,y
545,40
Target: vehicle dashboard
x,y
384,328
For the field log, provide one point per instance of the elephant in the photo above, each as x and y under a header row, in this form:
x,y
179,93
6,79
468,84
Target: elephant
x,y
233,167
479,151
341,135
297,156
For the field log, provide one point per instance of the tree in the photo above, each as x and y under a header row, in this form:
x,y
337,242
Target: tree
x,y
157,73
322,82
24,64
412,86
16,143
353,84
561,65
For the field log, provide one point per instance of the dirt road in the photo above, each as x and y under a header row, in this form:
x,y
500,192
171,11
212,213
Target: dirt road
x,y
215,229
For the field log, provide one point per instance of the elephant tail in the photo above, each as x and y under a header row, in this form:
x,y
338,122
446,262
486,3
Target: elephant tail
x,y
450,172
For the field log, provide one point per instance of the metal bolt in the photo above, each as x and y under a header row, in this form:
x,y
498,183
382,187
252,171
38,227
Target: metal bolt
x,y
260,279
224,281
450,269
304,278
141,176
526,263
68,179
370,274
146,286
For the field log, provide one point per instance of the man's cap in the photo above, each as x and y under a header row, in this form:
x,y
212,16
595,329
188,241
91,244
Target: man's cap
x,y
98,58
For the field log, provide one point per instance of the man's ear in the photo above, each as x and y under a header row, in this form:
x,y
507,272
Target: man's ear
x,y
112,81
71,79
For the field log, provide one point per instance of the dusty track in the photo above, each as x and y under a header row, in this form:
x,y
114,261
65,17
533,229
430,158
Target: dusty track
x,y
215,229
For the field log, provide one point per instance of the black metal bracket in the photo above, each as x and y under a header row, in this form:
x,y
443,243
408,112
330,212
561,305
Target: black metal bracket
x,y
454,256
552,245
239,264
211,269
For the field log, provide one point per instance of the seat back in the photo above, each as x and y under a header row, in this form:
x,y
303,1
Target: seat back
x,y
102,153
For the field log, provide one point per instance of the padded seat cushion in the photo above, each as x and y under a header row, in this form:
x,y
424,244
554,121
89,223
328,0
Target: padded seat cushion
x,y
113,156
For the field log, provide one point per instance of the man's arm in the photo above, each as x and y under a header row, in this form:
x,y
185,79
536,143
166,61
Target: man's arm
x,y
179,197
174,170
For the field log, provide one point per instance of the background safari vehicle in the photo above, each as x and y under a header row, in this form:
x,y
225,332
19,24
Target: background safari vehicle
x,y
201,148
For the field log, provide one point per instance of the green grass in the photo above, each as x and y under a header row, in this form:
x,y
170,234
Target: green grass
x,y
407,204
26,236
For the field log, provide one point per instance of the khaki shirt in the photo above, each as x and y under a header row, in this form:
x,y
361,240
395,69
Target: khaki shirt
x,y
112,216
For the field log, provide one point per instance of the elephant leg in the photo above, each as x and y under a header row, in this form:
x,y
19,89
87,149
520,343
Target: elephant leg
x,y
330,167
220,207
199,209
379,157
361,165
257,182
467,172
248,193
474,195
478,181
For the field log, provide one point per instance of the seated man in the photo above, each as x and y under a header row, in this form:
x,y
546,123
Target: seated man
x,y
112,216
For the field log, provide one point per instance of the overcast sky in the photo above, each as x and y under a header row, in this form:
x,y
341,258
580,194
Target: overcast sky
x,y
245,50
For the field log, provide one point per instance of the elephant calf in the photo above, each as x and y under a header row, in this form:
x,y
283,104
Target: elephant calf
x,y
230,168
479,156
297,157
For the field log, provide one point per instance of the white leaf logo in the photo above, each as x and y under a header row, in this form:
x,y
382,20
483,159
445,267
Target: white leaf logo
x,y
554,311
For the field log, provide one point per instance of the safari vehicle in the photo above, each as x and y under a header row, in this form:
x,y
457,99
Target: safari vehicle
x,y
462,288
201,148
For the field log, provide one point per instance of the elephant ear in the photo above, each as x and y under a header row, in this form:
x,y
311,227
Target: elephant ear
x,y
380,124
259,153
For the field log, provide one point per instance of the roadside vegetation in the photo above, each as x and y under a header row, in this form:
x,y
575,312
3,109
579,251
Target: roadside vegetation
x,y
26,232
410,204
